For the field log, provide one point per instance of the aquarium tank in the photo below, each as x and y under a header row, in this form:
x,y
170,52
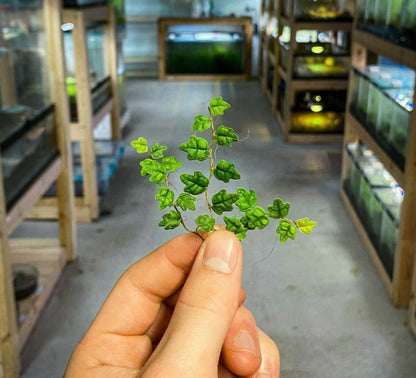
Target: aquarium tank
x,y
323,9
27,128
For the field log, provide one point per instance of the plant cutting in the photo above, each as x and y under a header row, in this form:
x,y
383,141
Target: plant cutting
x,y
239,208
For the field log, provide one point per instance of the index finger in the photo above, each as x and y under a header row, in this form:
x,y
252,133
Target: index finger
x,y
134,302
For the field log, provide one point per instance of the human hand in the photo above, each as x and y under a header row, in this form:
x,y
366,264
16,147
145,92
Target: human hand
x,y
177,313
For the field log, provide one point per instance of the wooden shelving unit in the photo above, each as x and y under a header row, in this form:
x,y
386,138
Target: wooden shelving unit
x,y
87,206
412,305
399,285
293,84
48,255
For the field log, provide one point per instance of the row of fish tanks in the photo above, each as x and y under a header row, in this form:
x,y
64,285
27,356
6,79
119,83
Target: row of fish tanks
x,y
394,20
322,10
377,198
382,100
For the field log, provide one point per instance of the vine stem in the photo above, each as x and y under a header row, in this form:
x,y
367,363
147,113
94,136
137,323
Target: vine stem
x,y
211,162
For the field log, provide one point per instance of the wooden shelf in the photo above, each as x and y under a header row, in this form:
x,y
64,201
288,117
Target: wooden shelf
x,y
90,14
379,46
316,25
368,140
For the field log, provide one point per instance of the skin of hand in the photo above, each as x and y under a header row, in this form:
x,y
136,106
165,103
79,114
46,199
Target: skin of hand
x,y
178,313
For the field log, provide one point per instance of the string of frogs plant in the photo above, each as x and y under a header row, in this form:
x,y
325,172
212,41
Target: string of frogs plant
x,y
159,167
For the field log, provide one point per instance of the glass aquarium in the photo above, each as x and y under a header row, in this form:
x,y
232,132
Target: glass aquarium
x,y
27,129
319,111
323,9
408,23
205,49
81,3
98,71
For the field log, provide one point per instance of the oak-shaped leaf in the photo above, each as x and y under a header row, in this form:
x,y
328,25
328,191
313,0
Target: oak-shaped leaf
x,y
201,123
185,201
246,199
255,218
225,171
205,222
157,150
279,209
286,230
170,220
171,164
223,201
196,148
305,225
155,169
225,136
234,225
140,144
165,197
217,106
194,184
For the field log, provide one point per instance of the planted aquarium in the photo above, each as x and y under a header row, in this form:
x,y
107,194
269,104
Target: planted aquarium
x,y
98,71
323,9
321,66
205,49
388,235
319,111
27,129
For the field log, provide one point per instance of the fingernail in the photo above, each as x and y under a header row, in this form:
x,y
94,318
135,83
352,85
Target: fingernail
x,y
220,253
244,342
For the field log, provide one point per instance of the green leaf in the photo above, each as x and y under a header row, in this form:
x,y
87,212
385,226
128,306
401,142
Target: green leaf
x,y
279,209
233,224
171,164
196,148
201,123
140,144
217,106
155,169
223,201
225,136
255,217
305,225
185,201
196,183
157,150
170,220
246,199
286,230
225,171
205,222
165,196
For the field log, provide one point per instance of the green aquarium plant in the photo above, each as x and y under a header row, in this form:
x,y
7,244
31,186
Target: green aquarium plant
x,y
239,209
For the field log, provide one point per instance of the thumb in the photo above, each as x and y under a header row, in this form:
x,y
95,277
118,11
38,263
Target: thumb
x,y
192,343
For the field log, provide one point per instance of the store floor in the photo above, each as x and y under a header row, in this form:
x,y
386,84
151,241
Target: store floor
x,y
318,297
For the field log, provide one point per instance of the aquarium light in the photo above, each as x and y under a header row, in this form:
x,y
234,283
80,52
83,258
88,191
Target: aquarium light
x,y
317,49
317,108
67,27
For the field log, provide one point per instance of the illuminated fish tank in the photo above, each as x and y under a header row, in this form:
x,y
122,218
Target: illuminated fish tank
x,y
205,49
98,71
27,128
317,54
319,9
319,112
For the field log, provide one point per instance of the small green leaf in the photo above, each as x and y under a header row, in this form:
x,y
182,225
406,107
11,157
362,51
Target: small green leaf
x,y
225,136
185,201
286,230
217,106
205,222
225,171
223,201
171,164
170,220
196,183
201,123
279,209
305,225
255,217
246,199
196,148
140,144
165,196
155,169
157,150
233,224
